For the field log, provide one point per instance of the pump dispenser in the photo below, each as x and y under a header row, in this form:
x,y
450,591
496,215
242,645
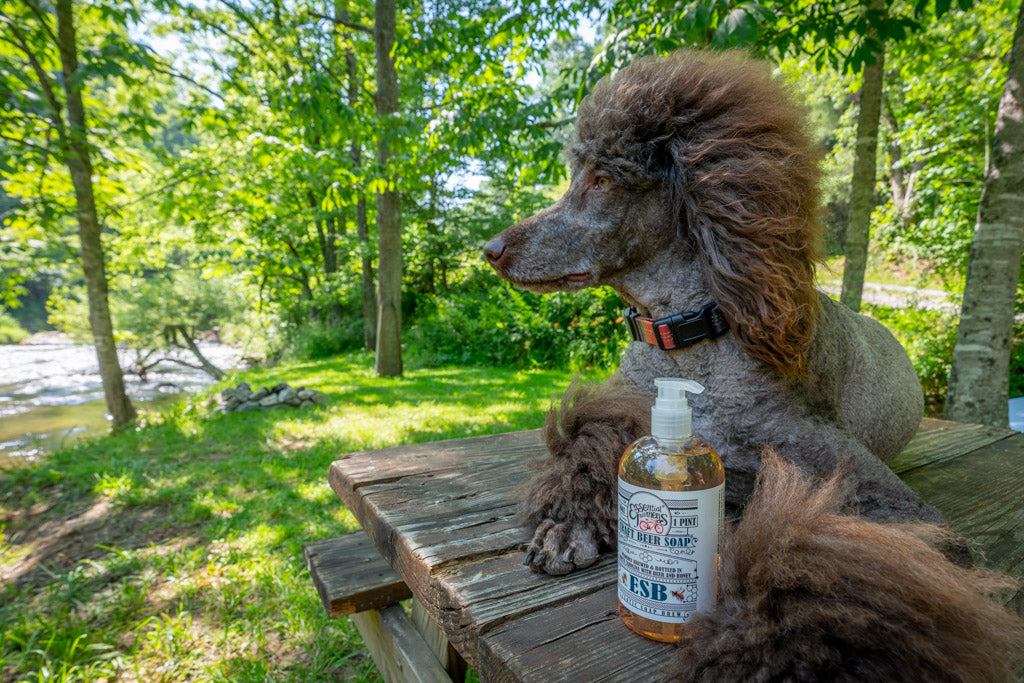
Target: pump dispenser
x,y
671,417
671,507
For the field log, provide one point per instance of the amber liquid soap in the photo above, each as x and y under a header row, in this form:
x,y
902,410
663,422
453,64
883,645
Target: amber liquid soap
x,y
671,505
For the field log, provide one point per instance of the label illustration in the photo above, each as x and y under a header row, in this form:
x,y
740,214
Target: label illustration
x,y
668,550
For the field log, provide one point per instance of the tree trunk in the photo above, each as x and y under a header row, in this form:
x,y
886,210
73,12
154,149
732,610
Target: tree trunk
x,y
336,310
332,223
979,378
76,157
901,178
862,195
182,337
369,288
321,235
362,230
389,221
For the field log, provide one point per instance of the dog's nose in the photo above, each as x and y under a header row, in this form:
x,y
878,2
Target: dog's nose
x,y
494,249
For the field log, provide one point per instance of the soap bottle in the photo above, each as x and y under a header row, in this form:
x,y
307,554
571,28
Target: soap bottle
x,y
671,507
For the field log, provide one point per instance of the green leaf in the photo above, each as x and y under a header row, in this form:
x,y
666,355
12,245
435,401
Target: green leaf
x,y
737,28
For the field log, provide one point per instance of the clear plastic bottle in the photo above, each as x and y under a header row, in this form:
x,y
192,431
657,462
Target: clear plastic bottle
x,y
671,506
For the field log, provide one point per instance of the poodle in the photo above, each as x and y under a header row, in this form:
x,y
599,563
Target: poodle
x,y
694,185
694,195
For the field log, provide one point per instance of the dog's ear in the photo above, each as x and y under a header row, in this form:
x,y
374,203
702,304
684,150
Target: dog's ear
x,y
744,181
763,285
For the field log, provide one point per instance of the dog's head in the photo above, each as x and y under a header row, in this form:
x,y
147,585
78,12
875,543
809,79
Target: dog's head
x,y
699,150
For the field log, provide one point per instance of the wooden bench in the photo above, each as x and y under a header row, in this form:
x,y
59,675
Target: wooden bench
x,y
353,580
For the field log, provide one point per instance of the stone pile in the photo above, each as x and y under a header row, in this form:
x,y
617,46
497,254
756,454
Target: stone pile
x,y
242,399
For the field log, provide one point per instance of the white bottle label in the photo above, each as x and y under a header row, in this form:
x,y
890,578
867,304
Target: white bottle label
x,y
668,550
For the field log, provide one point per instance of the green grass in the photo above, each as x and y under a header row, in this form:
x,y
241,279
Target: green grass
x,y
10,331
173,551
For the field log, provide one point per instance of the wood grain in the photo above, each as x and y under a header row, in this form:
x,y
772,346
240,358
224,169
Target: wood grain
x,y
982,496
401,654
351,576
939,440
443,516
582,640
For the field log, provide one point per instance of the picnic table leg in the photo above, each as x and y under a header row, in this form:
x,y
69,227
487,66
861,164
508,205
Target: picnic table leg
x,y
400,652
449,657
353,579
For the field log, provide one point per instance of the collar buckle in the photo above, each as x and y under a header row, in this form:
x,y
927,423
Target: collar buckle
x,y
679,330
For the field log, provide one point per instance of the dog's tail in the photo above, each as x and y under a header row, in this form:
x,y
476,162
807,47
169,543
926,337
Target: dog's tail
x,y
810,594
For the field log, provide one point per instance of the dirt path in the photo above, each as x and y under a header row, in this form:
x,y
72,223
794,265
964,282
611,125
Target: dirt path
x,y
900,296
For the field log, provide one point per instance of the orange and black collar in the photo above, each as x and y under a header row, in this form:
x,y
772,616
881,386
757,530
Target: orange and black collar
x,y
679,330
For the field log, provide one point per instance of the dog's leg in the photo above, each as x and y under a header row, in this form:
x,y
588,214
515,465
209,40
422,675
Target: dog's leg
x,y
571,499
817,448
873,490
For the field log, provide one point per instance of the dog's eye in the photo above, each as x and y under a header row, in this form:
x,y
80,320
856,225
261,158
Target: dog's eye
x,y
601,182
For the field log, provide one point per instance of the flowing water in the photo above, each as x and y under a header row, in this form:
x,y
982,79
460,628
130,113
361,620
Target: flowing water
x,y
51,393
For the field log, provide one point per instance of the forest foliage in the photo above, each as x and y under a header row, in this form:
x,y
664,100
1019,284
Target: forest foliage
x,y
235,164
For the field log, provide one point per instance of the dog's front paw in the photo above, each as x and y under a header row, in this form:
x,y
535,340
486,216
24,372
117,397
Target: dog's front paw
x,y
558,549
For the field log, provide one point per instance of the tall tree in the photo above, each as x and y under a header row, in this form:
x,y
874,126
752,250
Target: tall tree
x,y
944,85
389,217
272,172
979,377
362,229
294,115
63,106
79,163
862,183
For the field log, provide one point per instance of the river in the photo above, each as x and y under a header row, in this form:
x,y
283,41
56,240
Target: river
x,y
51,393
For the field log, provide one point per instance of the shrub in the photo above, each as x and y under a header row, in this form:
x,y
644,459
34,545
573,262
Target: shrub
x,y
328,324
315,339
1017,359
10,331
929,336
496,324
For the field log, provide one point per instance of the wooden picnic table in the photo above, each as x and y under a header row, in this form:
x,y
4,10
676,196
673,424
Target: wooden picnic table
x,y
443,515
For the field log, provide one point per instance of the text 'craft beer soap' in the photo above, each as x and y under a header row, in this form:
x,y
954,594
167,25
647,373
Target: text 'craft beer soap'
x,y
671,506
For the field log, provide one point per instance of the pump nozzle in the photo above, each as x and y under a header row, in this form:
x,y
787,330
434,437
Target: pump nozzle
x,y
671,417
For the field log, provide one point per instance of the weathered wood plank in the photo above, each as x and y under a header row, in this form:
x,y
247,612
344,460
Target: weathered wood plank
x,y
469,589
583,640
982,497
436,535
458,547
450,659
398,648
929,424
479,535
938,440
351,576
380,466
480,597
486,482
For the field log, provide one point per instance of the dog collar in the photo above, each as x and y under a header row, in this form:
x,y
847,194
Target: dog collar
x,y
679,330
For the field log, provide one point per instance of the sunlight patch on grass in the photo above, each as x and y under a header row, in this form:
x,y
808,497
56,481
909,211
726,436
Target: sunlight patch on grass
x,y
195,568
317,492
113,486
